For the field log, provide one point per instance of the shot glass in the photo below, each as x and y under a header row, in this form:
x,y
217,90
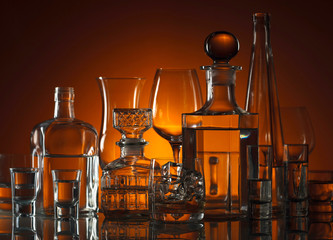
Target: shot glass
x,y
295,157
24,227
320,185
24,191
259,159
66,229
8,161
176,192
66,189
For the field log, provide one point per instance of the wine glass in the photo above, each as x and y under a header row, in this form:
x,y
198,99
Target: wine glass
x,y
174,91
297,127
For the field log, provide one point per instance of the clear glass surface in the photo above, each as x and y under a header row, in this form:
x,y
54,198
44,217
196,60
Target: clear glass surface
x,y
8,161
115,229
295,158
176,192
124,182
174,91
219,132
262,97
297,126
64,142
24,188
66,229
182,231
260,158
66,192
115,93
24,227
320,183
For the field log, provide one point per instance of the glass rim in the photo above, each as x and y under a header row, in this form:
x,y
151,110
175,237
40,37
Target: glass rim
x,y
260,145
129,109
172,159
295,144
120,78
176,69
24,169
66,170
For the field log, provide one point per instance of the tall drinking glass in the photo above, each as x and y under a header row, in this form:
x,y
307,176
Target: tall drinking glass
x,y
174,91
297,126
259,159
296,175
116,93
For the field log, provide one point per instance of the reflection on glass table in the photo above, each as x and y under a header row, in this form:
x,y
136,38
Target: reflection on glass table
x,y
315,226
48,228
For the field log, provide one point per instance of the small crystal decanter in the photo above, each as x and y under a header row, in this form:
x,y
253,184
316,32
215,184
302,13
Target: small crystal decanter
x,y
124,182
219,132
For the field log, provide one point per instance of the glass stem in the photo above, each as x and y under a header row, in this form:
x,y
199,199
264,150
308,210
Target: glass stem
x,y
176,146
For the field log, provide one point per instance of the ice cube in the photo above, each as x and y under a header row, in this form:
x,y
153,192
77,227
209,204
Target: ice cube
x,y
172,169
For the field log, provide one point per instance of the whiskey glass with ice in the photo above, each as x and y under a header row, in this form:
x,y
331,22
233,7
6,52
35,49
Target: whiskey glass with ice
x,y
176,191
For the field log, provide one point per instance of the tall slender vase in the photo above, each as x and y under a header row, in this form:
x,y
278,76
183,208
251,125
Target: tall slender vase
x,y
262,97
116,93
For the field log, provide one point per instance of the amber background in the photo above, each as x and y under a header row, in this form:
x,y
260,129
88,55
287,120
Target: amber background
x,y
69,43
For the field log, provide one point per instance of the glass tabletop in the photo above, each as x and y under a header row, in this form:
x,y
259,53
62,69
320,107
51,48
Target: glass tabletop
x,y
40,227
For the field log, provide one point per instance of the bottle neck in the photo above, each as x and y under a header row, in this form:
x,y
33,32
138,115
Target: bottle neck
x,y
127,151
221,89
64,102
132,147
64,109
261,31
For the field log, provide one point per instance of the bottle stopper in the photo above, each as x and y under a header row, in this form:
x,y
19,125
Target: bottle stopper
x,y
221,46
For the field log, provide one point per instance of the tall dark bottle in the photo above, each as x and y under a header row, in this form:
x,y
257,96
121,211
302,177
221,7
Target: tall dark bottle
x,y
220,131
262,97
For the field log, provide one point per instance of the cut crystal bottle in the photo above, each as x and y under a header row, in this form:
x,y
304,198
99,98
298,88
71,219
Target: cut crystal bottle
x,y
220,131
262,98
65,142
124,182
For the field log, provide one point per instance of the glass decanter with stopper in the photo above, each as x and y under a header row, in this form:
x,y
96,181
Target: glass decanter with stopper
x,y
219,132
65,142
124,182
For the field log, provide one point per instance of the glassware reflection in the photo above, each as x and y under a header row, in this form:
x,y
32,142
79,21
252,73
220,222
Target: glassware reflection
x,y
117,229
225,230
24,227
260,229
66,229
321,226
177,231
296,228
